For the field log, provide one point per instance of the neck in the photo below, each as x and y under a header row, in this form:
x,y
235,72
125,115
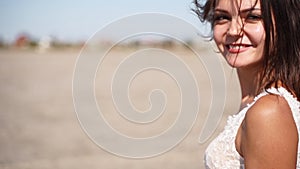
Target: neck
x,y
249,82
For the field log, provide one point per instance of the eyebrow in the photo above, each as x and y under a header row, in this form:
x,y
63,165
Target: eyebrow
x,y
249,9
241,11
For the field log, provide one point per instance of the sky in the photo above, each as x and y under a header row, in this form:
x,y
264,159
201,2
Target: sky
x,y
77,20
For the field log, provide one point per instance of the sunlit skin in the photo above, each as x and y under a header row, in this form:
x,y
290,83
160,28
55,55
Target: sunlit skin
x,y
268,136
239,35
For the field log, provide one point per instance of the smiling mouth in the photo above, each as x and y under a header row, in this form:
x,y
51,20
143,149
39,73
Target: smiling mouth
x,y
234,48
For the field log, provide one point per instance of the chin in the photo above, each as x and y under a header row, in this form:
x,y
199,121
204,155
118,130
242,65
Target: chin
x,y
232,62
233,65
242,61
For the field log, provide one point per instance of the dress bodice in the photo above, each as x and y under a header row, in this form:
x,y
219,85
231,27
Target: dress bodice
x,y
221,152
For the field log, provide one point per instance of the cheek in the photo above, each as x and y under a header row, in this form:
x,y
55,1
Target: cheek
x,y
257,33
218,35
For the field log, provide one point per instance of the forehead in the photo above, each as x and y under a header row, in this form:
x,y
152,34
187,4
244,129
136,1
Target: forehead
x,y
237,5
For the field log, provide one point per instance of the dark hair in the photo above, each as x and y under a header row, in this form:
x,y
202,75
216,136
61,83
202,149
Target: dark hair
x,y
281,21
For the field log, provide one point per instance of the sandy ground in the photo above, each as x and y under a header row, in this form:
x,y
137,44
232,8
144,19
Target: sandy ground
x,y
39,128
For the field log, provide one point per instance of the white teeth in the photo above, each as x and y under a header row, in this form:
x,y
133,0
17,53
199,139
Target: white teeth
x,y
235,47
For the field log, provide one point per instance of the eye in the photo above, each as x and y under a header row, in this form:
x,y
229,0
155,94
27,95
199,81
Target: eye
x,y
221,18
253,17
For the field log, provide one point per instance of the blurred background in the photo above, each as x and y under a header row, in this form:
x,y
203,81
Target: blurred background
x,y
39,44
75,21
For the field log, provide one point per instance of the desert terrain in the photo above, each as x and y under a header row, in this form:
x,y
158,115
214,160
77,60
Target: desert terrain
x,y
39,128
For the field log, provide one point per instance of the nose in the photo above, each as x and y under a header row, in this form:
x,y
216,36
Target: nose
x,y
235,27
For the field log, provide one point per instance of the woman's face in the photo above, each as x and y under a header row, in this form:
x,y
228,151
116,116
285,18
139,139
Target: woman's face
x,y
239,32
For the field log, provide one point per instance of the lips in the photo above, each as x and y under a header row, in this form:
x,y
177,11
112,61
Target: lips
x,y
237,48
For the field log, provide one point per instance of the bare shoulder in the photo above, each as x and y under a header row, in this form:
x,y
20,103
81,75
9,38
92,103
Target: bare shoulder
x,y
269,134
270,107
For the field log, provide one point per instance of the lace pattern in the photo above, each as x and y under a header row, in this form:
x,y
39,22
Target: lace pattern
x,y
221,153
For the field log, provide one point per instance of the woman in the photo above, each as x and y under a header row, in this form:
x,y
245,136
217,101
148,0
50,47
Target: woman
x,y
261,39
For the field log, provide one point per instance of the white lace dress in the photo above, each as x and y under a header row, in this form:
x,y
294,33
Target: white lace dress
x,y
222,154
